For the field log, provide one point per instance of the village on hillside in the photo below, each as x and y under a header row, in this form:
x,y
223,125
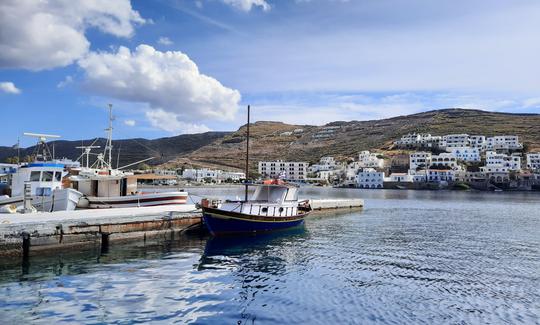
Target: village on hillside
x,y
422,161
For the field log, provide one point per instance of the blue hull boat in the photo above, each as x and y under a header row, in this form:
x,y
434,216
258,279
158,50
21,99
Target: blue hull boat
x,y
224,222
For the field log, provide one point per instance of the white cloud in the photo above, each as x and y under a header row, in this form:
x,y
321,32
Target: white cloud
x,y
67,81
130,122
164,41
169,122
247,5
169,82
9,88
39,35
532,102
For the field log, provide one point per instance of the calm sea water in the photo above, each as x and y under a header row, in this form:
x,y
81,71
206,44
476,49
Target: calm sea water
x,y
409,257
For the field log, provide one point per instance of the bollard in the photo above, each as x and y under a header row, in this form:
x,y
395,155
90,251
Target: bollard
x,y
26,245
104,242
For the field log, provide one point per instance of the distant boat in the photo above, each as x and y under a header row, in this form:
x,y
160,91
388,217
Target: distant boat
x,y
273,206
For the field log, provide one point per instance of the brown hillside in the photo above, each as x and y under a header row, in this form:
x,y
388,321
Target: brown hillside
x,y
352,137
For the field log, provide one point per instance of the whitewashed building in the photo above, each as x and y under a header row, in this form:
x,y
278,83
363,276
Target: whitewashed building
x,y
455,140
325,164
477,141
494,160
212,175
400,178
417,140
503,142
419,159
370,178
469,154
291,170
533,160
444,160
368,159
441,175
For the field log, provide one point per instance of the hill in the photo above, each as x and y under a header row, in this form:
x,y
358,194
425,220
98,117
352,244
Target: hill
x,y
276,140
129,150
271,141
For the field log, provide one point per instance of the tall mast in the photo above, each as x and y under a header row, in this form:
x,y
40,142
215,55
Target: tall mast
x,y
109,130
247,155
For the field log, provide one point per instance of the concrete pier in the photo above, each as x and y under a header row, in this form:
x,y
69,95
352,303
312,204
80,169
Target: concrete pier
x,y
27,234
329,204
34,233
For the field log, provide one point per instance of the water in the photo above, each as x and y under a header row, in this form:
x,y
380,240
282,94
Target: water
x,y
409,257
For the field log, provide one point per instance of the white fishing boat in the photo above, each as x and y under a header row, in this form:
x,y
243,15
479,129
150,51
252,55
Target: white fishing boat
x,y
106,187
40,185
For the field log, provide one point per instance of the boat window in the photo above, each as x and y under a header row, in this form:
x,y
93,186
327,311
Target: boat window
x,y
269,194
58,176
264,210
292,194
34,176
47,176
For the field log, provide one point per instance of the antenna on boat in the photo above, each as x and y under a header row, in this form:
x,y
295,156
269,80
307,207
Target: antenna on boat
x,y
42,144
86,152
247,155
108,146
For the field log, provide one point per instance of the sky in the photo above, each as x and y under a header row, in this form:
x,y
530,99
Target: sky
x,y
172,67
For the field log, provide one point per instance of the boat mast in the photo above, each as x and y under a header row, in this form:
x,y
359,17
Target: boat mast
x,y
247,155
109,130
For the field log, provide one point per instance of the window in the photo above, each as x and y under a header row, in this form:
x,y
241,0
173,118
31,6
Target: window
x,y
58,176
34,176
47,176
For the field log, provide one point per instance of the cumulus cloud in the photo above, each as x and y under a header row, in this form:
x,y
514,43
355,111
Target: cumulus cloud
x,y
246,5
169,82
39,35
169,122
66,82
9,88
164,41
130,122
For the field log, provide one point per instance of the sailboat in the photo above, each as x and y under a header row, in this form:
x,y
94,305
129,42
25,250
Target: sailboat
x,y
106,187
273,206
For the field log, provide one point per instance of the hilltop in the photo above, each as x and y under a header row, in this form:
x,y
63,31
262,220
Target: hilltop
x,y
129,150
270,140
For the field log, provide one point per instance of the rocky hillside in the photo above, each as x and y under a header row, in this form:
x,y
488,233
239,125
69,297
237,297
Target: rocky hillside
x,y
271,140
275,140
129,150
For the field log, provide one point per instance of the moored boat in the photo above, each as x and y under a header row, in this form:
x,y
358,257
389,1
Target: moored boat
x,y
272,206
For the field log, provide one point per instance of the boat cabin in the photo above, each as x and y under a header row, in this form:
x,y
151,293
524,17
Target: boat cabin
x,y
43,178
100,183
267,200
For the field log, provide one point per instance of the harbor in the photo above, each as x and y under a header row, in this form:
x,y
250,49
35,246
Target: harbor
x,y
36,233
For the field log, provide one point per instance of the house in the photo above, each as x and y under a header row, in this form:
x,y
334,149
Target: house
x,y
443,160
470,177
419,140
477,141
215,176
370,178
533,161
455,140
503,142
494,160
291,170
368,159
441,175
400,177
419,159
468,154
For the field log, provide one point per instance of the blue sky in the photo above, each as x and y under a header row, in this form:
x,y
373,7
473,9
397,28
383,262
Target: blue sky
x,y
183,66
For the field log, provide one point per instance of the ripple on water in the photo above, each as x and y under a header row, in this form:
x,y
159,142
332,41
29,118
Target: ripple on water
x,y
420,258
